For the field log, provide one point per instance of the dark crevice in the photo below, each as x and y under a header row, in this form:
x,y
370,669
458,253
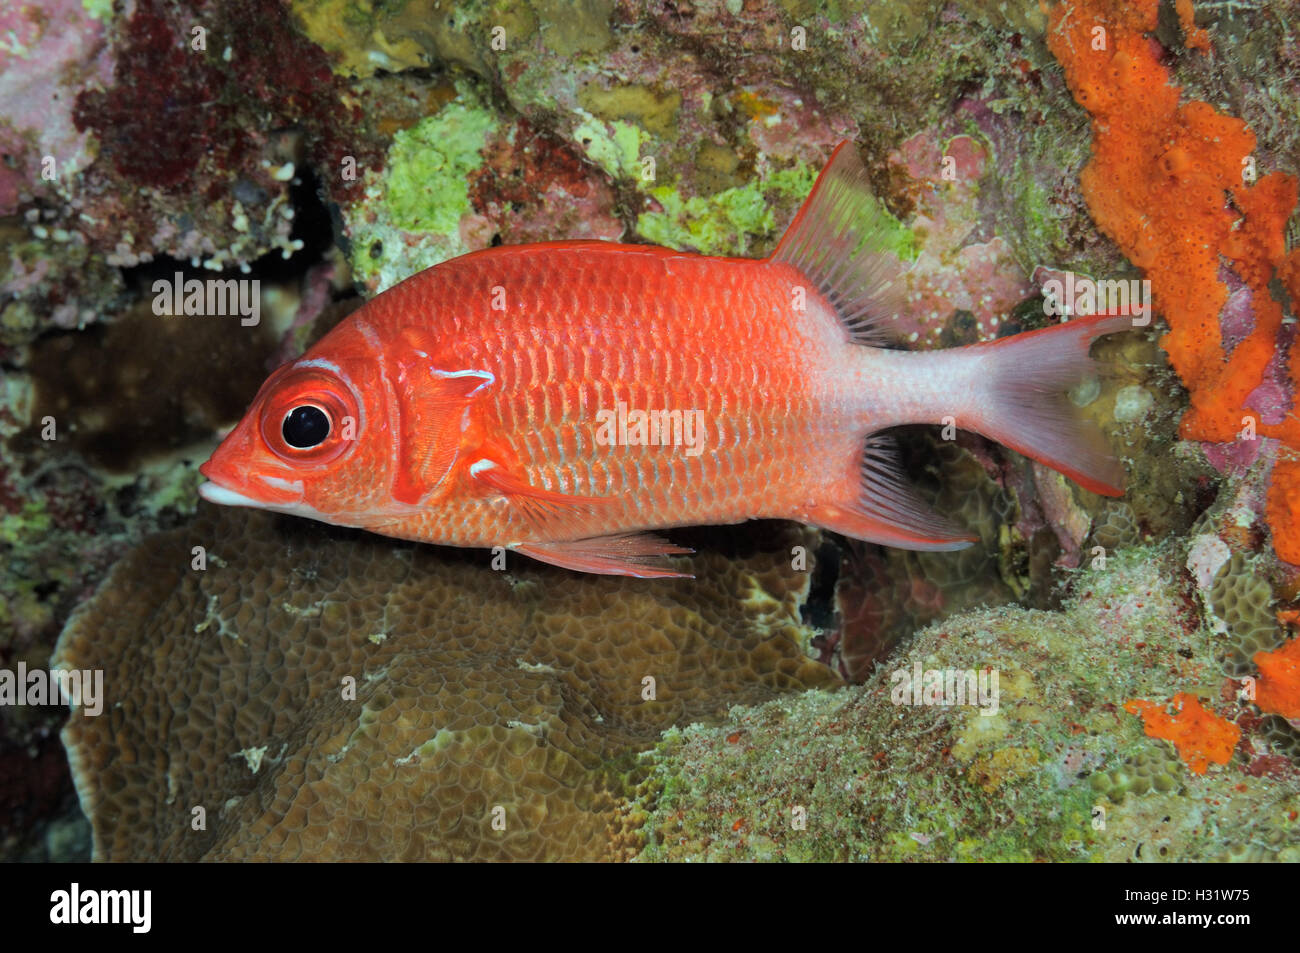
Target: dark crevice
x,y
314,223
818,610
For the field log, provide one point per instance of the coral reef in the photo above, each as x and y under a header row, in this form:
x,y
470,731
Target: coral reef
x,y
1244,601
413,130
1141,773
1058,772
161,133
713,152
47,271
48,49
100,435
206,118
532,715
312,694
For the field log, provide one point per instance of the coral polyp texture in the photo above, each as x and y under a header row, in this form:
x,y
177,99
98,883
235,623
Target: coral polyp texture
x,y
1243,600
312,695
1057,771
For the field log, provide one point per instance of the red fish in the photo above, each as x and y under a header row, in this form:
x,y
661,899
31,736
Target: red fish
x,y
560,399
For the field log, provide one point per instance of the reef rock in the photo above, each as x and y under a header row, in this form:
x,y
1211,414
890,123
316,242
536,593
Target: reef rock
x,y
1049,766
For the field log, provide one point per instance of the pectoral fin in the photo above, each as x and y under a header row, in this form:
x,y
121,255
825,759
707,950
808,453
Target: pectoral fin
x,y
625,555
550,513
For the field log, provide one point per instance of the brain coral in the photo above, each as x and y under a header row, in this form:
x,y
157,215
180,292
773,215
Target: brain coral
x,y
495,715
1243,599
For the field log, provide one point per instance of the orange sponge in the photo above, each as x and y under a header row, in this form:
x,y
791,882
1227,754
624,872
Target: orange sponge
x,y
1278,691
1174,185
1284,507
1200,736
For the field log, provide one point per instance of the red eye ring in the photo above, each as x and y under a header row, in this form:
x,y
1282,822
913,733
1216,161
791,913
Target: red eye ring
x,y
327,421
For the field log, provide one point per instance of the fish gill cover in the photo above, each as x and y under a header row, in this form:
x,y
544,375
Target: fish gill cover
x,y
341,695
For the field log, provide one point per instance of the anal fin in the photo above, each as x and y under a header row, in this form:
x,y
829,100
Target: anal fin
x,y
629,554
886,510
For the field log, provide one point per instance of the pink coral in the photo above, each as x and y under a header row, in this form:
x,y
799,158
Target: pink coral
x,y
952,273
51,50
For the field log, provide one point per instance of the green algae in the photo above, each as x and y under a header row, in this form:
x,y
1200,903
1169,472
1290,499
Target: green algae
x,y
412,214
725,223
428,167
728,222
31,521
614,146
101,10
1034,219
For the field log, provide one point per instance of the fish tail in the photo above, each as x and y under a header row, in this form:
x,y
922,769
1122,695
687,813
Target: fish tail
x,y
1022,402
1013,390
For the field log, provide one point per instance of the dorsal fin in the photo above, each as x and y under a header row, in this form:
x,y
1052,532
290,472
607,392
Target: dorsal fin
x,y
843,241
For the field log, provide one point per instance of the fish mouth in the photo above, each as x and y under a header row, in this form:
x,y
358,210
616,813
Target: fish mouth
x,y
273,492
224,496
215,493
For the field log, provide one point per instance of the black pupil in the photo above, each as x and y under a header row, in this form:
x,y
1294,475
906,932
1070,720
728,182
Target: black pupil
x,y
305,427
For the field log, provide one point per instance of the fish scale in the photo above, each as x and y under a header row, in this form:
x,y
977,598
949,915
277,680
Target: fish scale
x,y
538,414
464,405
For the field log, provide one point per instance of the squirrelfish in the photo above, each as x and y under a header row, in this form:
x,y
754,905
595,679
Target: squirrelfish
x,y
561,399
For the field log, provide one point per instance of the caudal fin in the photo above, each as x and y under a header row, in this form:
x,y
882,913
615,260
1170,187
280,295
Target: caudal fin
x,y
1023,402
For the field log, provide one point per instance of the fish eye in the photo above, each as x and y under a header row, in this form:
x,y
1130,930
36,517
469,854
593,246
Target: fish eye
x,y
309,416
305,426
